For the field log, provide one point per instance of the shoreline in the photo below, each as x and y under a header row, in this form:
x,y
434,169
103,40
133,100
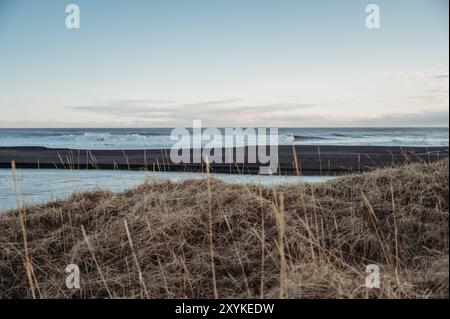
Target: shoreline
x,y
312,159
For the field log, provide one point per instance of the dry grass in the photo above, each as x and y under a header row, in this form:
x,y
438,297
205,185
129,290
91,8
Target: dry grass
x,y
302,241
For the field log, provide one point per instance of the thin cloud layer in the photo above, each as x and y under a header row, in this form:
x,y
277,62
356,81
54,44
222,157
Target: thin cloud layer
x,y
235,111
229,110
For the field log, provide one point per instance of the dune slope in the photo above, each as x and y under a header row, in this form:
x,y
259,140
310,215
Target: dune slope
x,y
205,238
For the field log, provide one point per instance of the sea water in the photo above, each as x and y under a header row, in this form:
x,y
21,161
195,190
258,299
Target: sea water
x,y
157,138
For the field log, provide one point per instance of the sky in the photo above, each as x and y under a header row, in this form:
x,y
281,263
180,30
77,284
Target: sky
x,y
266,63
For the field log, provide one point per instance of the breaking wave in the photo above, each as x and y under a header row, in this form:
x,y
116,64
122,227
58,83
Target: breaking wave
x,y
154,138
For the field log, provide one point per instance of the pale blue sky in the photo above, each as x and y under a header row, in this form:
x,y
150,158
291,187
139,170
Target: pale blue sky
x,y
227,62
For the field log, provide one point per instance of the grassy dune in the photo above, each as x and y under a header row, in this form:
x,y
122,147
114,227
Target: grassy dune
x,y
206,239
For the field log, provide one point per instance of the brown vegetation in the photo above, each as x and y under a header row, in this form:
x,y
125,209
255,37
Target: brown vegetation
x,y
206,238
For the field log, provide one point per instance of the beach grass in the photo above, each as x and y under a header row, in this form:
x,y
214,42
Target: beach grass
x,y
210,239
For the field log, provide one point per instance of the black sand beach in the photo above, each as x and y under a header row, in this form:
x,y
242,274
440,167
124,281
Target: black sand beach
x,y
311,159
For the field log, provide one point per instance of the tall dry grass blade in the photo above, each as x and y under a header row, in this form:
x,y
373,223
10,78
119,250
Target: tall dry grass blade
x,y
126,159
307,226
91,250
27,262
138,267
297,165
280,223
61,160
395,223
210,231
188,277
376,224
145,161
238,256
263,240
166,285
316,225
320,160
78,159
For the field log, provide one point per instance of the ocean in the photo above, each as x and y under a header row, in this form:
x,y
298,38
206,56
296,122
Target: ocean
x,y
155,138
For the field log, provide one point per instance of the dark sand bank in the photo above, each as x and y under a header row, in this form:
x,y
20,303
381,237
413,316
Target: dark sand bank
x,y
312,159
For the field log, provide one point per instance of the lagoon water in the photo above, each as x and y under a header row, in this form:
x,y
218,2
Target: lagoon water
x,y
42,185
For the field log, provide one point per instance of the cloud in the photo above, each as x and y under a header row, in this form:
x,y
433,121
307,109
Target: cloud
x,y
141,107
433,80
438,72
224,111
236,112
436,118
127,107
441,76
438,95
